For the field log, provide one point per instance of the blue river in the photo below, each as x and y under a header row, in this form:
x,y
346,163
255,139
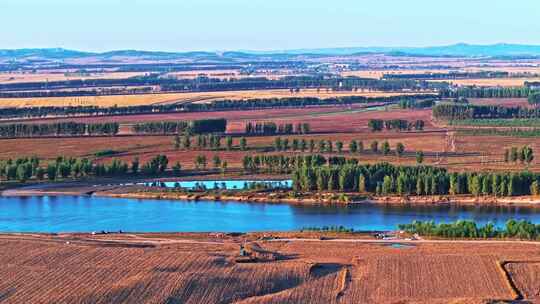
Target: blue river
x,y
87,214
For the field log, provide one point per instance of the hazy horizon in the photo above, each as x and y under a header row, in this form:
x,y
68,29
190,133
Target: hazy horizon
x,y
256,25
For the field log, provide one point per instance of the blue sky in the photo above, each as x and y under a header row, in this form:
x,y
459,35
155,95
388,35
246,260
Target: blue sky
x,y
183,25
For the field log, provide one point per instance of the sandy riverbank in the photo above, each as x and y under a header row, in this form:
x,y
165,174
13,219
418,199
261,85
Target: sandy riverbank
x,y
129,190
318,198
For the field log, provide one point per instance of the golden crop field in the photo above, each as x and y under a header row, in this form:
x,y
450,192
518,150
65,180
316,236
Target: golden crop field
x,y
221,74
377,74
147,99
491,82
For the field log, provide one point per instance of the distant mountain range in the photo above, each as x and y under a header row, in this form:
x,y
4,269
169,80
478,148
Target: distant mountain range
x,y
456,50
460,49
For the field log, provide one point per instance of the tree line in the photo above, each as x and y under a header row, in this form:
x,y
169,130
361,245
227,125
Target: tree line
x,y
534,98
469,229
23,169
219,105
328,146
524,154
179,127
144,84
416,104
460,111
387,179
376,125
271,128
205,141
486,92
449,75
58,129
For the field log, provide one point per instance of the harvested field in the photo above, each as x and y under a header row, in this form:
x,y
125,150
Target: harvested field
x,y
173,98
202,269
506,102
490,82
221,74
100,101
513,69
350,121
377,74
327,123
526,277
229,115
338,119
40,77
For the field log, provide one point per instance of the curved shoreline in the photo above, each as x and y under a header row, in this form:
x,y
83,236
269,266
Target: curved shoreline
x,y
522,201
277,197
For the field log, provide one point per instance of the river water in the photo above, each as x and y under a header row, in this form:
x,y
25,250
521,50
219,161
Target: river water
x,y
86,214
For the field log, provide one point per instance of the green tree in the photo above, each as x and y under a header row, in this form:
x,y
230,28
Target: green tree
x,y
303,145
229,143
514,154
535,188
135,165
528,154
339,146
400,149
177,169
311,146
420,186
362,183
360,146
512,185
216,161
186,142
329,146
224,166
353,146
200,162
285,144
295,144
40,173
385,148
401,187
23,173
278,145
475,186
419,157
486,185
243,144
177,142
51,171
322,146
374,146
387,185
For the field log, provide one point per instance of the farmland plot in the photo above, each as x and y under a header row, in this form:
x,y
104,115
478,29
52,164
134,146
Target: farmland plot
x,y
526,277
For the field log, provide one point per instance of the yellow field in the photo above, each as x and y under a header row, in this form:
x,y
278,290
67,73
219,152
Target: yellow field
x,y
146,99
209,73
377,74
509,69
39,77
490,82
101,101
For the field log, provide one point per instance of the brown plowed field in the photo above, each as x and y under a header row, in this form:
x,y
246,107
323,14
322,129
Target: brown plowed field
x,y
230,115
526,277
193,269
327,123
335,119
